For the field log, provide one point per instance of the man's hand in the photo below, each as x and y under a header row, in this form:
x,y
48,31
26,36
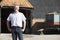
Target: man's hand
x,y
9,29
24,26
23,30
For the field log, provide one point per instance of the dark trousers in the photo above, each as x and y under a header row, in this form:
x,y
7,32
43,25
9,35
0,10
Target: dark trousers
x,y
16,32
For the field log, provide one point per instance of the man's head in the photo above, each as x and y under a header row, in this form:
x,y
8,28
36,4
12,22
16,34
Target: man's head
x,y
16,8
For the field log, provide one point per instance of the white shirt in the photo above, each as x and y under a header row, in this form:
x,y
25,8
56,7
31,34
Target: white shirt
x,y
16,19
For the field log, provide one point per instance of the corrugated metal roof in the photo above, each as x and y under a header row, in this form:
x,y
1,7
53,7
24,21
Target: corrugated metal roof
x,y
22,3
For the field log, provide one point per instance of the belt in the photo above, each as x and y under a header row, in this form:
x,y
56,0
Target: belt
x,y
16,27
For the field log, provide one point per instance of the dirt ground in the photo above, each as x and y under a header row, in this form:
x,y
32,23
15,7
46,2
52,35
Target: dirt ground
x,y
31,37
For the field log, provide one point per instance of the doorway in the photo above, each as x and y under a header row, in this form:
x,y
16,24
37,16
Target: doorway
x,y
4,14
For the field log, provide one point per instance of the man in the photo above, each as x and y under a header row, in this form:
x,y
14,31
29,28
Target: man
x,y
16,18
